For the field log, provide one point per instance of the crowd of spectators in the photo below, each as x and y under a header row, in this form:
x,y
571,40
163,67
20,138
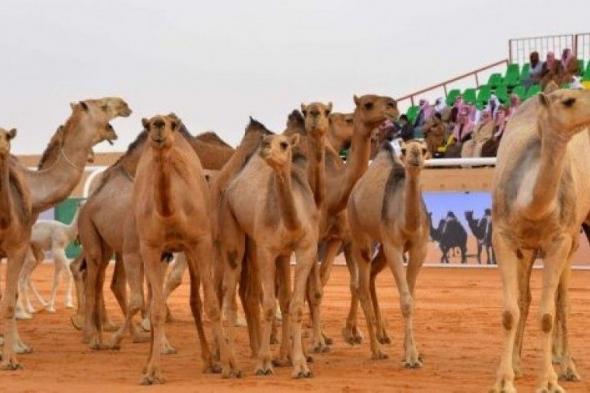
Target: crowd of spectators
x,y
463,130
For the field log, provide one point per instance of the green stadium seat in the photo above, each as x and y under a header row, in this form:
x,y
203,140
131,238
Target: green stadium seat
x,y
502,93
533,91
520,91
581,67
452,96
586,76
526,72
412,113
512,80
483,94
495,80
469,96
513,69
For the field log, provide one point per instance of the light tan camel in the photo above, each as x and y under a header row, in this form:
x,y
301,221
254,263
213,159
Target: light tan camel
x,y
172,213
386,206
39,190
541,198
102,234
339,135
281,220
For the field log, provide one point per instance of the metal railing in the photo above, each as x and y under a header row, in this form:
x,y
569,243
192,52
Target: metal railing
x,y
519,49
445,85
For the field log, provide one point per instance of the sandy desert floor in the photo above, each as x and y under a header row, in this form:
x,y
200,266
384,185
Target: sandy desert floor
x,y
457,327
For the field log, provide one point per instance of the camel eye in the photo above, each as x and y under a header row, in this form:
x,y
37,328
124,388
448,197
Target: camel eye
x,y
304,113
327,112
424,150
569,102
104,108
403,151
369,106
284,145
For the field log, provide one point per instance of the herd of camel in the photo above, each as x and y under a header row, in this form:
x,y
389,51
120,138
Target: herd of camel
x,y
290,194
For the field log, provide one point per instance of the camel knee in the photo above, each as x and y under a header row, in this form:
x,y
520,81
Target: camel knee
x,y
213,312
510,318
407,307
546,322
296,313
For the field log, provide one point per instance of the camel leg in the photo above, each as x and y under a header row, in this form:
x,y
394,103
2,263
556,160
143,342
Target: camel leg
x,y
508,265
78,276
131,269
377,265
306,258
69,299
267,265
351,332
315,293
152,372
568,370
361,252
174,279
284,275
250,294
525,268
59,262
15,261
196,309
332,250
24,307
118,283
556,258
203,254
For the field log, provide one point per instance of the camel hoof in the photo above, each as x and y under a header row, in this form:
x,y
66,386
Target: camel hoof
x,y
281,362
321,348
570,374
384,340
352,335
231,372
413,363
151,379
302,372
146,325
77,322
379,355
50,309
97,345
22,349
212,368
550,388
10,365
23,315
503,386
264,372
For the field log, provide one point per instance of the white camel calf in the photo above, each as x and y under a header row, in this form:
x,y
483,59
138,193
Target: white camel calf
x,y
54,236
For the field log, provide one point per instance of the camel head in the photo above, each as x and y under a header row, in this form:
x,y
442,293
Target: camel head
x,y
341,127
414,154
96,114
5,138
372,110
317,118
277,150
161,130
469,214
566,112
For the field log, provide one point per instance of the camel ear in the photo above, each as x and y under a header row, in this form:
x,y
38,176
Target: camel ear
x,y
84,105
402,146
294,140
146,123
329,108
304,109
11,133
544,99
357,101
174,124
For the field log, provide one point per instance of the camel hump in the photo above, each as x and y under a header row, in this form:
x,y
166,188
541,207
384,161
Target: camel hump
x,y
212,137
255,125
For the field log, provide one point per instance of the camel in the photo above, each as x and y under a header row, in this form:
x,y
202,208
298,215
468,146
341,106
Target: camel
x,y
540,200
482,230
339,135
62,166
450,236
101,230
282,220
435,133
386,206
171,212
54,236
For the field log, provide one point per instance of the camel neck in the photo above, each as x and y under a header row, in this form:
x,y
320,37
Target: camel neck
x,y
162,183
317,169
551,164
412,199
356,164
286,199
5,198
54,182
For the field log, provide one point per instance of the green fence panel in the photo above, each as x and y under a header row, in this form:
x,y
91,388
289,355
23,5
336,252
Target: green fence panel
x,y
64,212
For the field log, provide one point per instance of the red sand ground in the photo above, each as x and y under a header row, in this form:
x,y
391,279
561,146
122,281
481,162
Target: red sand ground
x,y
457,329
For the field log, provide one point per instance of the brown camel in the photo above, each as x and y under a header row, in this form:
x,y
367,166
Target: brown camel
x,y
541,198
434,134
386,206
282,220
172,213
39,190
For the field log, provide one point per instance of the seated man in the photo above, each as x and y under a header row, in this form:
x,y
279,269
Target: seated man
x,y
551,70
568,67
481,134
536,70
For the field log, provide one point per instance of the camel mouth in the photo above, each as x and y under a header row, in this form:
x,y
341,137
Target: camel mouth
x,y
125,112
